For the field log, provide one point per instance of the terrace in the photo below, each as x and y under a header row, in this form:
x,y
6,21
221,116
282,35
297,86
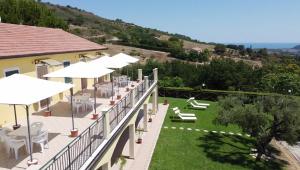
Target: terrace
x,y
65,151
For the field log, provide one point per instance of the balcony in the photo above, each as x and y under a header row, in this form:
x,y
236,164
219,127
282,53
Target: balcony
x,y
65,152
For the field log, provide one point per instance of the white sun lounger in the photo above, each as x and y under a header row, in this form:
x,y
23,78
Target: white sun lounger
x,y
177,112
175,108
187,118
201,104
192,99
196,106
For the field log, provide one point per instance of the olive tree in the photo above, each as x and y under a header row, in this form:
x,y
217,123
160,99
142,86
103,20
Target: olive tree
x,y
265,118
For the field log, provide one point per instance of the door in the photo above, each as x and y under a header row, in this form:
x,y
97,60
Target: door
x,y
83,83
41,71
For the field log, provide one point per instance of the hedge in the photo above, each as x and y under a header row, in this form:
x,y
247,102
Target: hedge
x,y
205,94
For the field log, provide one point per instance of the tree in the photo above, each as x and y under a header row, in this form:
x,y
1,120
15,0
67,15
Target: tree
x,y
265,118
220,49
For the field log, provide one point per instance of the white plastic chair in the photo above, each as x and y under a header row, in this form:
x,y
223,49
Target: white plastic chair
x,y
77,104
15,145
36,128
41,139
3,133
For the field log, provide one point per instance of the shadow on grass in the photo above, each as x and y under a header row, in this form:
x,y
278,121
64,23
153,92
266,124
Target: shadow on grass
x,y
177,119
235,150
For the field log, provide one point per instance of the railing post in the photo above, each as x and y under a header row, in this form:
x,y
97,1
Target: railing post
x,y
69,157
155,74
146,79
106,127
140,74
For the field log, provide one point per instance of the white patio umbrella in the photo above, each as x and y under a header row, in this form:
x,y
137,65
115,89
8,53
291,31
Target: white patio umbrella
x,y
19,89
82,70
126,58
109,62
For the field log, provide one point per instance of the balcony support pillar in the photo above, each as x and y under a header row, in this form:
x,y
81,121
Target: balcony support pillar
x,y
145,109
131,141
155,76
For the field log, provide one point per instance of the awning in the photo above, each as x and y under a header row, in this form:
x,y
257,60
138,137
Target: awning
x,y
51,62
24,90
125,58
108,62
80,70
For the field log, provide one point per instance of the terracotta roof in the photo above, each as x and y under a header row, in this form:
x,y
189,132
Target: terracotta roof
x,y
22,40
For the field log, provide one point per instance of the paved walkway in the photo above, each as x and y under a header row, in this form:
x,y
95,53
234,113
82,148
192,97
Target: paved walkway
x,y
144,151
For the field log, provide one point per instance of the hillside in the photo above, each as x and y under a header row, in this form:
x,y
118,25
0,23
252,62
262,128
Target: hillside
x,y
101,30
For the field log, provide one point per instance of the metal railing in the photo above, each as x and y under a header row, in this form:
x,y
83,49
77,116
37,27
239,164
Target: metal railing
x,y
73,156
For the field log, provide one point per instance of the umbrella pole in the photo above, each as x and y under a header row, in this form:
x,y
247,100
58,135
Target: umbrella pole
x,y
127,75
16,126
95,91
74,131
31,161
112,87
71,96
119,82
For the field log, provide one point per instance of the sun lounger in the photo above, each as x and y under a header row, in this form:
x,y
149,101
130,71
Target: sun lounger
x,y
177,112
187,118
196,106
175,108
201,104
192,99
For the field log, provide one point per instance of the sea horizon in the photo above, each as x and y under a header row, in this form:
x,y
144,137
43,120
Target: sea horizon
x,y
275,45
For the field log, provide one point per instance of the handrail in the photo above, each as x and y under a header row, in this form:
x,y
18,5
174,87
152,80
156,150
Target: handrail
x,y
82,147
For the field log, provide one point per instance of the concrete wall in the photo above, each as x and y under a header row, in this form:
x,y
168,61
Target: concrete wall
x,y
27,66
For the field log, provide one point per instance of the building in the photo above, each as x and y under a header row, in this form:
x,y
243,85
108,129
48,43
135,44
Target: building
x,y
35,51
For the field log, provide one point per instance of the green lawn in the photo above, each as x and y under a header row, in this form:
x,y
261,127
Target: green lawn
x,y
192,150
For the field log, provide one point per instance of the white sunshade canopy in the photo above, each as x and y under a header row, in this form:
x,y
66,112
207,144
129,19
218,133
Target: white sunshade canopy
x,y
125,58
25,90
80,70
108,62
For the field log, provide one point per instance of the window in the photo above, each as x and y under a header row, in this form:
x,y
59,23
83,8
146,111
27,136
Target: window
x,y
11,71
66,64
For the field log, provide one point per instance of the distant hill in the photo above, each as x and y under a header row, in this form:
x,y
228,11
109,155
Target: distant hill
x,y
297,47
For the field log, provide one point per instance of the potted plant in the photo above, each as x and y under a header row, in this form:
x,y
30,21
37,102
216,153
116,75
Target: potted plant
x,y
47,113
74,133
127,89
132,85
165,101
95,116
112,102
150,112
140,132
119,97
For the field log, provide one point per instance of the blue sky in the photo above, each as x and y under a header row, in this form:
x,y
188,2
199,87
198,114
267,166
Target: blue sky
x,y
237,21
